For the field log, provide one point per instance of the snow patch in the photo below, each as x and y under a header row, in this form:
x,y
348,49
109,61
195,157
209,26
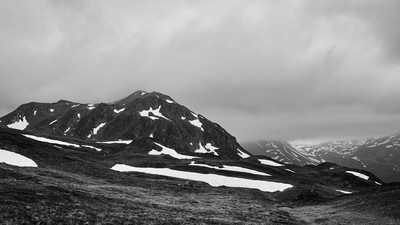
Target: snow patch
x,y
96,129
344,192
212,179
208,148
51,141
243,154
119,110
156,112
197,123
169,151
51,110
151,135
52,122
269,162
19,125
231,168
66,131
15,159
115,142
34,113
90,106
169,101
290,170
79,115
360,175
92,147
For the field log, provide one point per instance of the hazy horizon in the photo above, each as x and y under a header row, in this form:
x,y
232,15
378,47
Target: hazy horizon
x,y
290,69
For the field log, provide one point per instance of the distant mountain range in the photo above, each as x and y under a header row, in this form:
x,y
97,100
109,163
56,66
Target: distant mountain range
x,y
381,156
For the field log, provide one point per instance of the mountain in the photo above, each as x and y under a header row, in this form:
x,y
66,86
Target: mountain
x,y
140,117
281,151
381,156
146,159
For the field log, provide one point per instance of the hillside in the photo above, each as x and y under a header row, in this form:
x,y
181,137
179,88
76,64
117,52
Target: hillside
x,y
155,174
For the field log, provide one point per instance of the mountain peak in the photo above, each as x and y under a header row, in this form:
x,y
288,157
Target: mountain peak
x,y
141,94
144,117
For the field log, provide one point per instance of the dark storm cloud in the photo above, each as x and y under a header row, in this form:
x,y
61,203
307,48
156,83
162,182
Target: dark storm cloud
x,y
281,69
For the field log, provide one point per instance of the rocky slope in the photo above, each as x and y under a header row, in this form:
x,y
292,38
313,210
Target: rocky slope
x,y
140,117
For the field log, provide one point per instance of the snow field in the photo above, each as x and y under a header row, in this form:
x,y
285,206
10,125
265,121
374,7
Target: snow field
x,y
19,125
15,159
212,179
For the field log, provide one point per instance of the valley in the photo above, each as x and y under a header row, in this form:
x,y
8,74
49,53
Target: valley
x,y
146,159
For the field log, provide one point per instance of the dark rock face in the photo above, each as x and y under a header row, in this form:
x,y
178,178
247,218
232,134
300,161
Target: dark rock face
x,y
139,116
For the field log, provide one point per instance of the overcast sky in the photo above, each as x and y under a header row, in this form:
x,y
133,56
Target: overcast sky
x,y
262,69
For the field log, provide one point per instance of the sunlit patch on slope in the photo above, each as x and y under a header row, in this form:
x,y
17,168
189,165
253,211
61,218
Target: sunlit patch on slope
x,y
212,179
15,159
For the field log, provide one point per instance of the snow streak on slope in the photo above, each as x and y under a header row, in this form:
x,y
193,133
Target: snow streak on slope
x,y
212,179
19,125
269,162
170,152
96,129
92,147
360,175
15,159
242,154
51,141
231,168
127,142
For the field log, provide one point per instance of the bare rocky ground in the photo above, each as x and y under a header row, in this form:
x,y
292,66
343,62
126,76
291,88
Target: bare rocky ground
x,y
48,196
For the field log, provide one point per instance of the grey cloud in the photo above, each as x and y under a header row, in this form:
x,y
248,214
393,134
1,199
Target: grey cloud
x,y
259,68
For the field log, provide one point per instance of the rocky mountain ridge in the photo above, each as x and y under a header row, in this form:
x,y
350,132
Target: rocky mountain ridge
x,y
141,116
381,156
